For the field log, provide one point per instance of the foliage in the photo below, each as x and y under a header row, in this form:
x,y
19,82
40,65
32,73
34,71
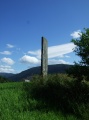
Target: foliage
x,y
59,92
82,47
15,106
80,70
56,96
3,79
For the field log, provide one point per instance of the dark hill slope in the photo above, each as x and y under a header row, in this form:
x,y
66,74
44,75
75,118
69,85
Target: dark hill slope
x,y
58,68
6,75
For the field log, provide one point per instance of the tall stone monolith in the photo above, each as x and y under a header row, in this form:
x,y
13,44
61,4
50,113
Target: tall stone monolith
x,y
44,57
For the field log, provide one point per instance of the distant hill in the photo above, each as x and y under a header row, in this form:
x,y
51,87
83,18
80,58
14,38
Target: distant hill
x,y
58,68
6,75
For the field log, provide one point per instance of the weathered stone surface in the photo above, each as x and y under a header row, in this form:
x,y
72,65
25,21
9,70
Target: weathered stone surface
x,y
44,57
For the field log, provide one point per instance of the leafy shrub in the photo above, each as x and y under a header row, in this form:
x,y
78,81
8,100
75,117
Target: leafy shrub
x,y
58,92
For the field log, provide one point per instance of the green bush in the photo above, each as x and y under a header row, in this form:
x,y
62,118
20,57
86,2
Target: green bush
x,y
14,105
58,92
2,79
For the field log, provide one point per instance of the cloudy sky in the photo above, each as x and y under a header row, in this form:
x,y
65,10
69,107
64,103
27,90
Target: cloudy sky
x,y
24,22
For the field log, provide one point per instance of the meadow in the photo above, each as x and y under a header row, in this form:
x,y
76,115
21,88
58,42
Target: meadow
x,y
57,97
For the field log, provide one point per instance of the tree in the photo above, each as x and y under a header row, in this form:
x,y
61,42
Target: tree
x,y
81,69
2,79
82,47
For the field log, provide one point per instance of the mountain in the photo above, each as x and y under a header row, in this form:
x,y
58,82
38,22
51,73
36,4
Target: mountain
x,y
6,75
58,68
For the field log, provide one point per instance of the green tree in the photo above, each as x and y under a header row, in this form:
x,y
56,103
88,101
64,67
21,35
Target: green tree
x,y
82,47
81,69
3,79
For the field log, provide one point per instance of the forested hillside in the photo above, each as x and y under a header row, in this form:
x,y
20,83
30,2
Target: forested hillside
x,y
52,69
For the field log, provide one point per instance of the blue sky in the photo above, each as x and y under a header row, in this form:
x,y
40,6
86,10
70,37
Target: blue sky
x,y
24,22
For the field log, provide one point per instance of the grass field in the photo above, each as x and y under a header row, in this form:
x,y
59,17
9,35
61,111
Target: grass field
x,y
15,106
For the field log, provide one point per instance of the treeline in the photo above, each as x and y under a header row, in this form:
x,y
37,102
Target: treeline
x,y
80,70
3,79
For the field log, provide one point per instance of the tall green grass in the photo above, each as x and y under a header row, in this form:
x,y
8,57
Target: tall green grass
x,y
16,104
59,92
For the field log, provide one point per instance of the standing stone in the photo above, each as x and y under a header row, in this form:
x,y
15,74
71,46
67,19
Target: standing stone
x,y
44,57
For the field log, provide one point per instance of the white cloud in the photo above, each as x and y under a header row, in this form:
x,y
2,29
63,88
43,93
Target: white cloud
x,y
57,61
6,69
76,34
10,46
37,53
7,61
55,51
6,53
29,59
58,51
